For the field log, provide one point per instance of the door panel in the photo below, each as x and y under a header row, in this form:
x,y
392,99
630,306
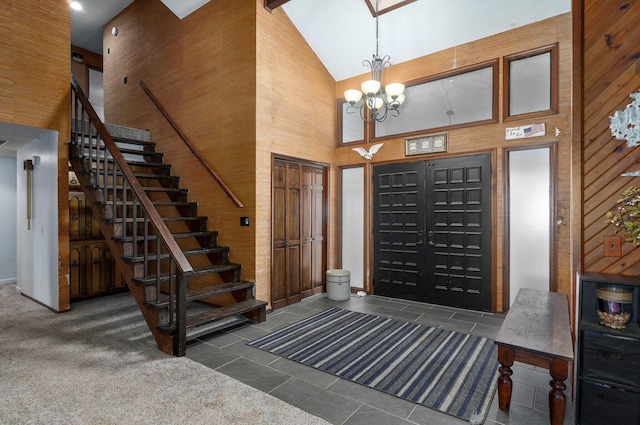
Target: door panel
x,y
432,231
399,220
315,177
459,227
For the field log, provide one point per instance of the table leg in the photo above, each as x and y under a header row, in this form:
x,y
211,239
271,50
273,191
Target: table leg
x,y
559,370
505,357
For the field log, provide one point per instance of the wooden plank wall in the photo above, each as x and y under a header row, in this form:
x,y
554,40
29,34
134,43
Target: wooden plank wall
x,y
296,117
611,52
491,138
35,90
242,84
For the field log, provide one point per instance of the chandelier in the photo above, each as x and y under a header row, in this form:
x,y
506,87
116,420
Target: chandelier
x,y
379,103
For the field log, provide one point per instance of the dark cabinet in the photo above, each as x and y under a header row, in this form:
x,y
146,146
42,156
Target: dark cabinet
x,y
92,269
608,359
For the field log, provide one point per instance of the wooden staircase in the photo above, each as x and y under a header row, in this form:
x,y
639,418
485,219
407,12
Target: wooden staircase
x,y
181,278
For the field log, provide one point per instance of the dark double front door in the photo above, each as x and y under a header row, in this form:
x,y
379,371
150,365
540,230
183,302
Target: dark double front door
x,y
432,231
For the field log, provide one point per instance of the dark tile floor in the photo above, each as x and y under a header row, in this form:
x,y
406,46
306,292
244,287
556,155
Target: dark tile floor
x,y
342,402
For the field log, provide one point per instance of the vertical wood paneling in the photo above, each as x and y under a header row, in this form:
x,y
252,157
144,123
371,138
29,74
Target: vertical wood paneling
x,y
295,117
611,52
231,75
34,90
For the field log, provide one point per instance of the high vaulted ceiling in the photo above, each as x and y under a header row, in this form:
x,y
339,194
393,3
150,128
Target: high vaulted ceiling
x,y
342,32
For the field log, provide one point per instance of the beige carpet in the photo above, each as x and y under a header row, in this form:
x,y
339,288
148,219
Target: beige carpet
x,y
98,365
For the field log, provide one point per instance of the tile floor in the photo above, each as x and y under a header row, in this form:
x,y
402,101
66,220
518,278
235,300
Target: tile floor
x,y
342,402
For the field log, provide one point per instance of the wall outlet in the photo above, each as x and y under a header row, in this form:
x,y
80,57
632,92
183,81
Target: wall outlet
x,y
612,246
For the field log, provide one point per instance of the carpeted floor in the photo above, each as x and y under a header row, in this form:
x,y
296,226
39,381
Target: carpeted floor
x,y
99,365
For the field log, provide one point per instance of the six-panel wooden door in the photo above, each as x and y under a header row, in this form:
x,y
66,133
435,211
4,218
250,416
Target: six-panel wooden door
x,y
298,241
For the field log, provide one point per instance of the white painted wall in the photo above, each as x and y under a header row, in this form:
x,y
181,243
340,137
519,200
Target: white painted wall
x,y
37,248
8,257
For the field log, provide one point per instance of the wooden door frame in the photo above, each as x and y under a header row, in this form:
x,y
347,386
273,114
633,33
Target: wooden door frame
x,y
325,213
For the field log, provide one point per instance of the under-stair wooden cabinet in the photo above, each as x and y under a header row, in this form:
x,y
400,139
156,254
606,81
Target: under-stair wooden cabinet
x,y
299,228
91,265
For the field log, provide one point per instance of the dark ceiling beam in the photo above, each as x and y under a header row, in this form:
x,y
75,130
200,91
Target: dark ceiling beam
x,y
271,5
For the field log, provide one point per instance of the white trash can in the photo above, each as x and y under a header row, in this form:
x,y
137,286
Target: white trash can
x,y
338,285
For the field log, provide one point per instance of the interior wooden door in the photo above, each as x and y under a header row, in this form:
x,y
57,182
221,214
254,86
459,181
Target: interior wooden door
x,y
432,231
312,212
286,272
298,255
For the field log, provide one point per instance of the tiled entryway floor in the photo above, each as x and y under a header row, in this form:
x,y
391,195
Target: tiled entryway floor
x,y
342,402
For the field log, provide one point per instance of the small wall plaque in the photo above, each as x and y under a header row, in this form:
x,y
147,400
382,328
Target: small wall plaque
x,y
525,131
428,143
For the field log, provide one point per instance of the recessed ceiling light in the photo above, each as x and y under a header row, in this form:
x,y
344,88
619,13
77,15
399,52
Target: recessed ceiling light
x,y
75,5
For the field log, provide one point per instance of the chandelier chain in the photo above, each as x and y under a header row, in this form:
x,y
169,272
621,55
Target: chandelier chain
x,y
378,103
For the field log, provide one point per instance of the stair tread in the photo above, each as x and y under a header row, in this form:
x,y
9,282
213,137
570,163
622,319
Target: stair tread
x,y
119,139
165,219
154,176
188,253
221,312
145,188
148,164
200,293
216,318
130,151
129,141
198,271
215,326
201,233
156,203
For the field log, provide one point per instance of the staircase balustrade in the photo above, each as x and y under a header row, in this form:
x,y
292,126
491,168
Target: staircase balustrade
x,y
126,202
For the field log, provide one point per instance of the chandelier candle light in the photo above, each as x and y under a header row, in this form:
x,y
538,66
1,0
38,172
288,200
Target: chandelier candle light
x,y
378,103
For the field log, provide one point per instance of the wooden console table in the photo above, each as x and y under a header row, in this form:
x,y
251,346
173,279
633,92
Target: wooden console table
x,y
537,331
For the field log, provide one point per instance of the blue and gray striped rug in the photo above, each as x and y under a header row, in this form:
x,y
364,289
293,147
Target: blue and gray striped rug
x,y
452,372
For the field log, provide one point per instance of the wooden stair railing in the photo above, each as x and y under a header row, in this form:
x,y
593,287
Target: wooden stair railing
x,y
128,201
191,147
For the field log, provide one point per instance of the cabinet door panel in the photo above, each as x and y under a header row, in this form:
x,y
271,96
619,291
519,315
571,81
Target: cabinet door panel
x,y
611,358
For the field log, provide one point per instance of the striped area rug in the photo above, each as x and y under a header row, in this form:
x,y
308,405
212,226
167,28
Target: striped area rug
x,y
452,372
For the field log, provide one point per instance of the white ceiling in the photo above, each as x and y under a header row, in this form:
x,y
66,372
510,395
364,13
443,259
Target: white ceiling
x,y
342,32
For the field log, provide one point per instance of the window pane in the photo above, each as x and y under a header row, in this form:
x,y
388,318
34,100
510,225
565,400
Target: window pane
x,y
353,224
529,220
352,125
457,99
530,84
